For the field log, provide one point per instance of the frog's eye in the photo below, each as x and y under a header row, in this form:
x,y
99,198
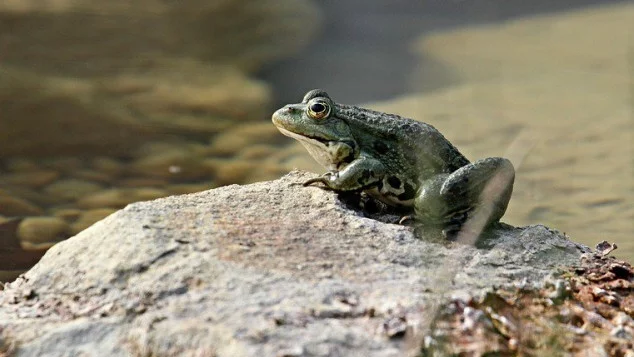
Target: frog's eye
x,y
318,109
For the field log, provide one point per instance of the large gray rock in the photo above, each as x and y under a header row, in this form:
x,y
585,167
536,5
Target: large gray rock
x,y
268,269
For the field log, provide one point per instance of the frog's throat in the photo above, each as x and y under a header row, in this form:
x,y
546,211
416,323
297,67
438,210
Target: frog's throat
x,y
329,154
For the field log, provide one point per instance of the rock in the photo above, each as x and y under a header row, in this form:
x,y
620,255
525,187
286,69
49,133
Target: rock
x,y
14,206
266,269
35,231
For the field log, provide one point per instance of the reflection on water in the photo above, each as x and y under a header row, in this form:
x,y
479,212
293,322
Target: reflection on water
x,y
166,102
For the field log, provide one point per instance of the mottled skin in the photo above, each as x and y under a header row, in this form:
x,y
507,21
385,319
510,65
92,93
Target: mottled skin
x,y
400,161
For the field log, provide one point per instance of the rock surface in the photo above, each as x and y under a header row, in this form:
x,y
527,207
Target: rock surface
x,y
268,269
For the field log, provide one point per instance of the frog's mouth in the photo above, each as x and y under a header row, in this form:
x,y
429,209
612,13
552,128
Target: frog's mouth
x,y
304,138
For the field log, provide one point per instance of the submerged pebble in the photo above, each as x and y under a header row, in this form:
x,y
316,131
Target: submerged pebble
x,y
119,197
43,230
71,189
14,206
88,218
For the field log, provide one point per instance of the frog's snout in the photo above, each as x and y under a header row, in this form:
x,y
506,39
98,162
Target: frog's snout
x,y
279,115
284,114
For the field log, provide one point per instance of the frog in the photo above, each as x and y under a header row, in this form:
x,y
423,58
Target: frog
x,y
399,161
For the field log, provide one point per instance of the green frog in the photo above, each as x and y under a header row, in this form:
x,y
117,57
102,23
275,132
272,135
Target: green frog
x,y
399,161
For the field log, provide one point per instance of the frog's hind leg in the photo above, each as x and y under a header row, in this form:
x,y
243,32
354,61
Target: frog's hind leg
x,y
478,192
486,185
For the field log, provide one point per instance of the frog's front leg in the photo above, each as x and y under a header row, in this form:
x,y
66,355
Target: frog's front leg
x,y
481,189
359,174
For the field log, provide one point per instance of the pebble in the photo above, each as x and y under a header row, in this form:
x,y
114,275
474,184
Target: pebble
x,y
119,197
14,206
43,230
71,189
32,179
88,218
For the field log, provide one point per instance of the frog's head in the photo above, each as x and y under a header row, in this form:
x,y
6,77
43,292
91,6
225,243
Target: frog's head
x,y
314,123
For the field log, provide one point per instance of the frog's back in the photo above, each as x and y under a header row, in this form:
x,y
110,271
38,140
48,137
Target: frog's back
x,y
408,141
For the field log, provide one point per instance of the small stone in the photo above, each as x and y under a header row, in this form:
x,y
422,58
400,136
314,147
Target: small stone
x,y
32,179
71,189
43,230
604,248
395,327
14,206
88,218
